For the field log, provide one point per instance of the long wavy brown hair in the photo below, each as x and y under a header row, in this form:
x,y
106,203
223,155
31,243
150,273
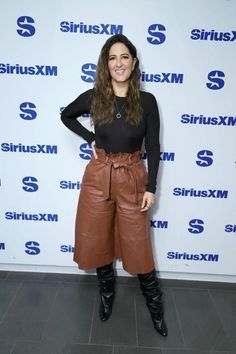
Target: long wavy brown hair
x,y
103,101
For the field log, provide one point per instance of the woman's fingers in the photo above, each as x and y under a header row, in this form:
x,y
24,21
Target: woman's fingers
x,y
147,202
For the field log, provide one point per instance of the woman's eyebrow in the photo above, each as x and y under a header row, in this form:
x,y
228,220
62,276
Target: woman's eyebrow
x,y
111,55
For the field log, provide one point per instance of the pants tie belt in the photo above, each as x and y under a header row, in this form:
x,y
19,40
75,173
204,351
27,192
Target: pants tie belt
x,y
107,182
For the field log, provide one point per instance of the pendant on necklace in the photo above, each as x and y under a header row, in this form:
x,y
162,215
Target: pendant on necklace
x,y
118,115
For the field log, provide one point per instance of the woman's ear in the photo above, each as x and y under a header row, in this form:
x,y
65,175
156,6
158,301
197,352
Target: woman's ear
x,y
134,62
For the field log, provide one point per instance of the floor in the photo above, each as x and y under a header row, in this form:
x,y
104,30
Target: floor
x,y
57,314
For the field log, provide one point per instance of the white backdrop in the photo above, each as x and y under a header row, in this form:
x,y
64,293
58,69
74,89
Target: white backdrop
x,y
48,57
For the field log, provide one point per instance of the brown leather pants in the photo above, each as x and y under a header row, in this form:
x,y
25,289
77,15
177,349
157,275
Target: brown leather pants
x,y
109,223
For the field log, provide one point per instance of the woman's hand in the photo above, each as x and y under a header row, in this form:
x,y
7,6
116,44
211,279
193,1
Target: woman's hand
x,y
148,201
93,144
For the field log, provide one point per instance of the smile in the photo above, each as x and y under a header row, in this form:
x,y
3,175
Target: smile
x,y
120,71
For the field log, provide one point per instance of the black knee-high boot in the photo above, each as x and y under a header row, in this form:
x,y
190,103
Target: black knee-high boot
x,y
106,279
150,287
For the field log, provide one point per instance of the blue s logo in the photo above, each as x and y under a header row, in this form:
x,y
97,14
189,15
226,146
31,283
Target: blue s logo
x,y
216,81
205,158
196,226
28,110
89,70
32,248
30,184
156,33
86,151
26,27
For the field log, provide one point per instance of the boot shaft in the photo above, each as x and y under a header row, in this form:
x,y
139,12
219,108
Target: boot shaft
x,y
106,281
106,278
150,286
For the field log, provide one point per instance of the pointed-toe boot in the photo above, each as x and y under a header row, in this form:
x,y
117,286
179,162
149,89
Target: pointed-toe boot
x,y
150,287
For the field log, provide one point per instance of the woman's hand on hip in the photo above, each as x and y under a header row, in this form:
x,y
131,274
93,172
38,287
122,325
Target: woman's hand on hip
x,y
148,201
93,144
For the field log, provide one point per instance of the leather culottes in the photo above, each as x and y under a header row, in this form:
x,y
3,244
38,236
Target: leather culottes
x,y
109,223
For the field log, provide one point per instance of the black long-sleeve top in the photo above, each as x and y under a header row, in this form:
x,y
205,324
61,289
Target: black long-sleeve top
x,y
120,136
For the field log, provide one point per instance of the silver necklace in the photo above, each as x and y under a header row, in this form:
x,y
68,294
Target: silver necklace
x,y
118,114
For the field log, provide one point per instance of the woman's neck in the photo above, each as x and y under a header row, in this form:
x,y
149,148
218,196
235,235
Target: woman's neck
x,y
120,89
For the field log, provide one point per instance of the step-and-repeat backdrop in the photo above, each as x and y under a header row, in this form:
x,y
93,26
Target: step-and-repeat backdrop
x,y
49,51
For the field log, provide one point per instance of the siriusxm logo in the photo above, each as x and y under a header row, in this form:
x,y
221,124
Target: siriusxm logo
x,y
203,35
32,248
216,81
207,257
196,226
87,153
2,246
28,111
230,228
33,149
169,78
70,185
30,184
13,215
205,158
44,70
209,193
159,224
164,156
25,23
67,249
109,29
89,71
156,34
204,120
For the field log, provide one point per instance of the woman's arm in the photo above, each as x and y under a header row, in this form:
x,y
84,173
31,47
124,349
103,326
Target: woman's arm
x,y
79,106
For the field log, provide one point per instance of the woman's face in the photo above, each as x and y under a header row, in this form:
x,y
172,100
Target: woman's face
x,y
120,63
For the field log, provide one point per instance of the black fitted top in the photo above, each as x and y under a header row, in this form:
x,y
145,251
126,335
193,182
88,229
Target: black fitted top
x,y
119,136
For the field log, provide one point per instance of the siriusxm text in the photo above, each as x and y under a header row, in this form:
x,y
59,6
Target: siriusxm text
x,y
159,224
2,246
70,185
169,78
207,257
230,228
67,249
206,120
86,153
13,215
83,28
164,156
203,35
33,149
89,71
208,193
44,70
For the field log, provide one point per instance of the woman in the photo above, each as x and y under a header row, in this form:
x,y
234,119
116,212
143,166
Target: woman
x,y
112,219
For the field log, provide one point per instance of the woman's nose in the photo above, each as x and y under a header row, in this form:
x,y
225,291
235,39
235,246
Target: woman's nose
x,y
118,62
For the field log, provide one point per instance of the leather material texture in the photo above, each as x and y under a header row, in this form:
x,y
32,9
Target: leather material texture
x,y
109,223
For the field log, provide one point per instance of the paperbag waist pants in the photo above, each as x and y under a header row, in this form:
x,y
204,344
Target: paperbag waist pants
x,y
109,223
